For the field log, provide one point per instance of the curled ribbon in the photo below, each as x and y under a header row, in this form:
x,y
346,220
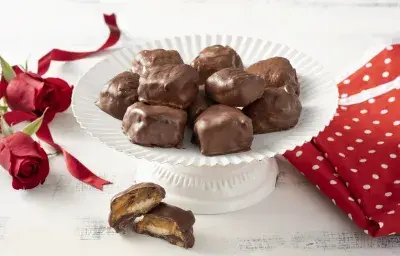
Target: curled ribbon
x,y
61,55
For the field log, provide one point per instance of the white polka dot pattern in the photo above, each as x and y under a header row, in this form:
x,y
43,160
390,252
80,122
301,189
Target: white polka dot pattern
x,y
361,175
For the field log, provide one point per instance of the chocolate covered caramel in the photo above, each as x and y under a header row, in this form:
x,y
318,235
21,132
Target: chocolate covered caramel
x,y
169,85
150,125
214,58
222,130
150,58
170,223
119,94
234,87
133,202
277,110
276,72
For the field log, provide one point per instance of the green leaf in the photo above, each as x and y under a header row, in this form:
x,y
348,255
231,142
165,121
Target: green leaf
x,y
7,70
34,126
26,65
5,128
4,102
3,108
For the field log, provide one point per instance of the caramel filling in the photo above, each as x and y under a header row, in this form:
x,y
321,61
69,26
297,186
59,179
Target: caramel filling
x,y
135,203
159,227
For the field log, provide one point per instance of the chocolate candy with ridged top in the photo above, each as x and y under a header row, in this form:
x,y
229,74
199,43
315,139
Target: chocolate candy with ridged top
x,y
170,223
278,109
222,130
150,125
169,85
234,87
214,58
129,204
151,58
276,72
119,94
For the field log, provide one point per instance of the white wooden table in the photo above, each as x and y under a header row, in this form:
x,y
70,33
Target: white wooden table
x,y
65,217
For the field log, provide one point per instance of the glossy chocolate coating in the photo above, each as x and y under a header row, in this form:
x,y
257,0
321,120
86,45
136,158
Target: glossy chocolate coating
x,y
136,200
222,130
119,94
279,109
201,103
276,72
215,58
150,126
169,85
184,219
173,223
150,58
234,87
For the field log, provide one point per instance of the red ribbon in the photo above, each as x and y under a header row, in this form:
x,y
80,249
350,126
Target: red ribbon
x,y
61,55
74,166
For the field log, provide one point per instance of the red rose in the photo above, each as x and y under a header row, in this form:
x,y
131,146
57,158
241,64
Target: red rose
x,y
31,93
24,160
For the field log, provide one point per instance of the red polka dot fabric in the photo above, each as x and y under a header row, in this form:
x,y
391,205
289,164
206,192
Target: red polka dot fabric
x,y
379,70
356,160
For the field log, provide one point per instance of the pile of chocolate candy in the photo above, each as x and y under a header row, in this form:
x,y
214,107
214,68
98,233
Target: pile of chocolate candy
x,y
221,101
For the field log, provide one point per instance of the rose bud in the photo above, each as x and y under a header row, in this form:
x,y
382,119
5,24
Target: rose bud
x,y
24,159
29,92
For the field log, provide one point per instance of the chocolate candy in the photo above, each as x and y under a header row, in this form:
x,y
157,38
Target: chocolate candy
x,y
234,87
133,202
151,58
276,72
150,126
215,58
169,85
201,103
119,94
170,223
222,130
278,109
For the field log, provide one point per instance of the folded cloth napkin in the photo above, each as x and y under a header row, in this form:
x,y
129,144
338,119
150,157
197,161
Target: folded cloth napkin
x,y
356,160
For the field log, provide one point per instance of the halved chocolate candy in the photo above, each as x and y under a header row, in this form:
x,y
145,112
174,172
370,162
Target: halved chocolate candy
x,y
170,223
132,203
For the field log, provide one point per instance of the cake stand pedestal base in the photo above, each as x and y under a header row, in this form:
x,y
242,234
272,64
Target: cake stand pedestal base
x,y
213,189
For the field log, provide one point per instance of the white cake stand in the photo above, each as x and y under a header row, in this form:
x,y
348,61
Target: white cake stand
x,y
218,184
213,189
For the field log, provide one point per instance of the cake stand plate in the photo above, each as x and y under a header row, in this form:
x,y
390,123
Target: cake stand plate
x,y
216,184
213,189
